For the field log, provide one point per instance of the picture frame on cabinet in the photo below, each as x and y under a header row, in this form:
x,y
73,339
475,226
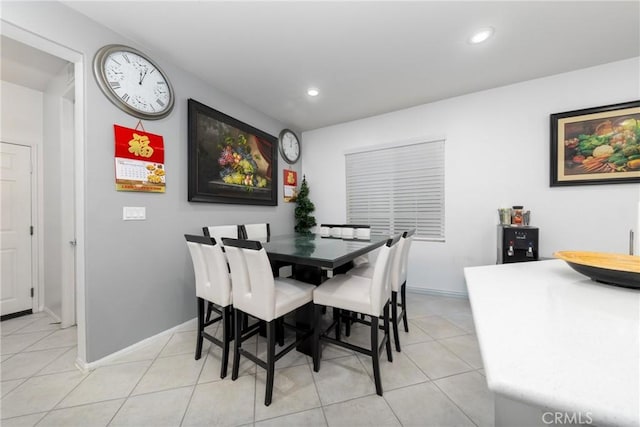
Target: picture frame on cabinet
x,y
229,160
598,145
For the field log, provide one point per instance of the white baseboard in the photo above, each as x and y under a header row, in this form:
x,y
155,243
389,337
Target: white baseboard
x,y
437,292
86,367
52,314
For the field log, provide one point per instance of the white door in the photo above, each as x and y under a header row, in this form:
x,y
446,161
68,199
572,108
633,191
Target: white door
x,y
15,228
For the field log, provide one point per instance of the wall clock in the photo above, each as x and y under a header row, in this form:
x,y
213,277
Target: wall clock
x,y
289,146
133,82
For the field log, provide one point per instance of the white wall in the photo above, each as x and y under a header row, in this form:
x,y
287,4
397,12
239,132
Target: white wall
x,y
496,155
21,121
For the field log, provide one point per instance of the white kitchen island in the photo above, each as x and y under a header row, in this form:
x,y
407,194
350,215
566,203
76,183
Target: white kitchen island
x,y
556,345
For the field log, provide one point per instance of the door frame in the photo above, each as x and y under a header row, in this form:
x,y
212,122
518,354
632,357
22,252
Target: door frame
x,y
76,58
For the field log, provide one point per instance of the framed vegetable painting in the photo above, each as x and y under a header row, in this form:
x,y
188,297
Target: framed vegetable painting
x,y
230,161
596,145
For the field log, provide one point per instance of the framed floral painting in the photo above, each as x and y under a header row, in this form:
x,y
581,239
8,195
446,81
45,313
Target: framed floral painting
x,y
229,161
596,145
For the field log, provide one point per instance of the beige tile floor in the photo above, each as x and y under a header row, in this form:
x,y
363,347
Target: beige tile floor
x,y
437,380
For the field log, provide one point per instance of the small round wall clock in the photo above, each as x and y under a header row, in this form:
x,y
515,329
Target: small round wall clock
x,y
133,82
289,146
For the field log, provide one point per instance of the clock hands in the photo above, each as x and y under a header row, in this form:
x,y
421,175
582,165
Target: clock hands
x,y
143,75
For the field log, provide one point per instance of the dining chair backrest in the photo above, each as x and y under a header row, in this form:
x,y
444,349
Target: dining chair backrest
x,y
331,230
220,231
253,282
380,286
325,230
260,232
210,267
399,266
347,232
362,232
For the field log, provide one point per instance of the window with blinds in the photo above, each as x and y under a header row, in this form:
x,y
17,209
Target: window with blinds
x,y
398,187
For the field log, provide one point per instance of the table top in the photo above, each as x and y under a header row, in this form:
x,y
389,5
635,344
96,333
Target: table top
x,y
552,337
324,252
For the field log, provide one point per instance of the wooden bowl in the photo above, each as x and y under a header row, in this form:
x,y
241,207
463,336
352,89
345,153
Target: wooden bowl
x,y
612,269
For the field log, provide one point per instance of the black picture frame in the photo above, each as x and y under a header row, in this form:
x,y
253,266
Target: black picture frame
x,y
598,145
229,160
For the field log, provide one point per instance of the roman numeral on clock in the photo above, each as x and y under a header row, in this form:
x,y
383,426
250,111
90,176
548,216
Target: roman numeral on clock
x,y
125,97
115,85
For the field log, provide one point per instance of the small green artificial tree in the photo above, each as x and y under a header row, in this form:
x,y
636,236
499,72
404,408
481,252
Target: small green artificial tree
x,y
304,207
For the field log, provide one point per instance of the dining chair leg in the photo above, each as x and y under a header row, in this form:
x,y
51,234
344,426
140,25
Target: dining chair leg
x,y
271,349
227,332
245,321
199,339
337,316
394,319
375,354
387,335
280,334
317,316
403,297
209,311
347,324
237,343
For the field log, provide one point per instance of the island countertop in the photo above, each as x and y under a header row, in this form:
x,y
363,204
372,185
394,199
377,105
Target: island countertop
x,y
553,338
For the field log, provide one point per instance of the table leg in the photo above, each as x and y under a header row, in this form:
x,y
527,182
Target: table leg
x,y
304,320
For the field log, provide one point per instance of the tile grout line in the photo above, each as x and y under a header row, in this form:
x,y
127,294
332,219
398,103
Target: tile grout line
x,y
126,398
53,361
195,385
455,403
315,385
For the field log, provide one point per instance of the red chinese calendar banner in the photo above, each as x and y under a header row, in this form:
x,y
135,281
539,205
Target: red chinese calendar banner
x,y
290,185
139,161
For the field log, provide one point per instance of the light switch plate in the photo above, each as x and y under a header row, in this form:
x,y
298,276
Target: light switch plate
x,y
134,213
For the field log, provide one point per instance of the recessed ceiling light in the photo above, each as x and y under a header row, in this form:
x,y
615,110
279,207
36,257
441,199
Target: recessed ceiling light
x,y
312,91
481,35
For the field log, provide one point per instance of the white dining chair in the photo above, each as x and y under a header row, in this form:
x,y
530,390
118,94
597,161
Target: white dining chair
x,y
257,293
336,231
220,231
260,232
398,279
325,230
362,232
213,285
356,294
347,232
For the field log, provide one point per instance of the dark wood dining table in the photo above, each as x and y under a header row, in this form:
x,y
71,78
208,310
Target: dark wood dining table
x,y
311,257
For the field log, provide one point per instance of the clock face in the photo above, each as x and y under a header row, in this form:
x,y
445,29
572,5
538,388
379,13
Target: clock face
x,y
133,82
289,146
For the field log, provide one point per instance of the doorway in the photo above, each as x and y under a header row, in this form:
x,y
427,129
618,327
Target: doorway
x,y
57,274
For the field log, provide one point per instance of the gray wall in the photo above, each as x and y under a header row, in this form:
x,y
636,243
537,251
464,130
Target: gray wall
x,y
139,279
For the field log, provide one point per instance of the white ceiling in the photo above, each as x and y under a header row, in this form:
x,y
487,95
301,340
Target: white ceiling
x,y
368,58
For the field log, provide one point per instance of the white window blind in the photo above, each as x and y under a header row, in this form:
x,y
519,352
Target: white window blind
x,y
396,188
